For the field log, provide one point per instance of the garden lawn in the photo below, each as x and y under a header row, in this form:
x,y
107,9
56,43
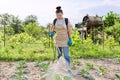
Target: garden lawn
x,y
37,51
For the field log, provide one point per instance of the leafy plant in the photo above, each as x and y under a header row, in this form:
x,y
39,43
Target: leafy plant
x,y
43,75
89,65
19,75
110,19
67,78
85,74
88,76
117,76
102,71
76,62
26,71
73,67
44,66
118,61
22,38
20,70
81,72
111,42
35,30
57,77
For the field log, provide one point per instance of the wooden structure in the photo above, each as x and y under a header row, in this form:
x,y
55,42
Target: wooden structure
x,y
92,23
83,32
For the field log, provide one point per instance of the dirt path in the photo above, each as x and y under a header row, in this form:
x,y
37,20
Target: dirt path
x,y
9,68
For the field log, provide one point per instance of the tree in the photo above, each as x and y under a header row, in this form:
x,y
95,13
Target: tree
x,y
117,31
110,19
5,19
16,24
30,19
11,22
110,22
34,30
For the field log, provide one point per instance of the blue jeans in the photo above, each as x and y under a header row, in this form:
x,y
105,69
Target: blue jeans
x,y
65,50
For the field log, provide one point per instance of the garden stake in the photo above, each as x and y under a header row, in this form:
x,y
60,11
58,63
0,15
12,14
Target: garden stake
x,y
103,35
4,33
54,50
49,36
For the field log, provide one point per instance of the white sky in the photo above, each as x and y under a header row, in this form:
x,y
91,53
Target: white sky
x,y
45,9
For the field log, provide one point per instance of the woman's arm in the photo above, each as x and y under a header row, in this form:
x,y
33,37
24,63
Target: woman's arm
x,y
70,30
70,35
51,28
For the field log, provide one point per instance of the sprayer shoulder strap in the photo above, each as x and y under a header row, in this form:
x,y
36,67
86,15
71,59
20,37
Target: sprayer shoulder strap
x,y
54,22
66,21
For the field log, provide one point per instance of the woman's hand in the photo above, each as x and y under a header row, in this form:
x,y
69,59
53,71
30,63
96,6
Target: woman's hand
x,y
51,31
70,42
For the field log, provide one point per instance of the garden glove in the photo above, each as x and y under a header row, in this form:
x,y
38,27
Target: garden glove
x,y
70,42
51,34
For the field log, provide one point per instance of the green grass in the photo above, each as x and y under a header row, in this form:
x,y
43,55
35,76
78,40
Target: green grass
x,y
90,50
25,51
39,50
33,52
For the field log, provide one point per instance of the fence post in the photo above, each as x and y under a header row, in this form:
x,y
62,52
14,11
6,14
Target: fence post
x,y
103,35
4,34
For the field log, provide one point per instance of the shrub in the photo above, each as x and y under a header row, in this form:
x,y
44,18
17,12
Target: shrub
x,y
22,38
1,37
34,30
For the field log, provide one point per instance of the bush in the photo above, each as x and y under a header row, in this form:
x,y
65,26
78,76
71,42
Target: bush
x,y
90,50
117,32
1,37
111,42
22,38
34,30
109,31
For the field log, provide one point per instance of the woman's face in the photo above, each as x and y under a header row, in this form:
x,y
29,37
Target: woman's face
x,y
59,15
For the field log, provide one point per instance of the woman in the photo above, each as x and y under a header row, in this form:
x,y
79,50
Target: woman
x,y
63,40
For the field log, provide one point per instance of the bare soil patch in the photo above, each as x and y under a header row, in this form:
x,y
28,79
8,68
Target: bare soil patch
x,y
9,68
